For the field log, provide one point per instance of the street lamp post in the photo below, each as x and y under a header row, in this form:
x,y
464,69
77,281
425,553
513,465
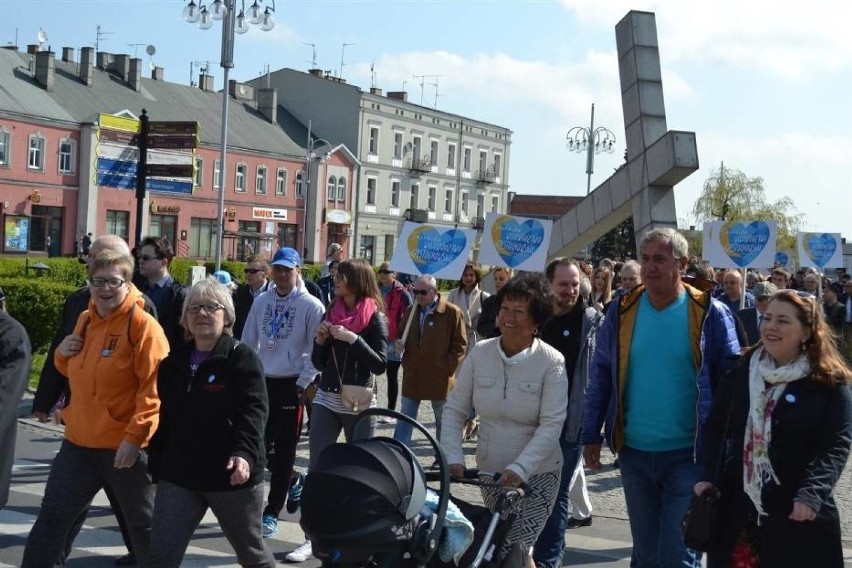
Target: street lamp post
x,y
592,141
310,156
263,17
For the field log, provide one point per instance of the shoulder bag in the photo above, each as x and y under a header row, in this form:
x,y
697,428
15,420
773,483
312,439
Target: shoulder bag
x,y
354,397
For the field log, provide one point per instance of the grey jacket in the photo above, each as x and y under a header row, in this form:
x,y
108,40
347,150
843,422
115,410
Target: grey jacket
x,y
592,320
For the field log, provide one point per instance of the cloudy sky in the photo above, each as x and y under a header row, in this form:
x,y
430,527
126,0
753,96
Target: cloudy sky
x,y
767,88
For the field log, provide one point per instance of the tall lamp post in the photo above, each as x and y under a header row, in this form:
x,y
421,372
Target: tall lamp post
x,y
592,141
310,156
258,14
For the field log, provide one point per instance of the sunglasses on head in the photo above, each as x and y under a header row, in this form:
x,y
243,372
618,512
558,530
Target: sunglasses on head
x,y
417,292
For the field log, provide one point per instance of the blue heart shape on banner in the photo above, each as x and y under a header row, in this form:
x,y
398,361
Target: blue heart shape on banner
x,y
431,250
516,242
781,258
743,242
820,247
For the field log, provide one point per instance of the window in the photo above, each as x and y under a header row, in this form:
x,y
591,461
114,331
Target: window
x,y
331,189
240,178
66,156
495,203
281,182
466,164
451,155
483,161
415,149
260,181
35,158
480,205
117,223
374,139
388,246
448,201
202,233
395,193
397,145
433,191
341,189
163,226
199,172
300,183
217,174
415,190
371,191
433,153
5,147
464,205
497,164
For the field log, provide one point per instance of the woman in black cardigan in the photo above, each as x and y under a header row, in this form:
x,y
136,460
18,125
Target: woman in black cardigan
x,y
208,450
350,348
787,443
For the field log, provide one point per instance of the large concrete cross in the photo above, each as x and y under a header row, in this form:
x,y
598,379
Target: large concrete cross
x,y
657,159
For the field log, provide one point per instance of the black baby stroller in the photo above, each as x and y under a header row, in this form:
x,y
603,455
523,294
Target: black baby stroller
x,y
363,506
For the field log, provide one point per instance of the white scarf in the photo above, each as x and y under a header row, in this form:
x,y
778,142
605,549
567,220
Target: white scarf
x,y
766,384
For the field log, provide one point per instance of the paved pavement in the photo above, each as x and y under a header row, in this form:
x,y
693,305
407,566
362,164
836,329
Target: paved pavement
x,y
606,543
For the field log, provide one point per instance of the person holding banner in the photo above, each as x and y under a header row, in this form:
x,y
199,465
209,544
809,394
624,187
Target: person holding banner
x,y
468,297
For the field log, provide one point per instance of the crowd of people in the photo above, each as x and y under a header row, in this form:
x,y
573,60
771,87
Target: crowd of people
x,y
184,397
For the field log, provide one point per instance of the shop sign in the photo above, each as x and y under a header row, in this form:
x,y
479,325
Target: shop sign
x,y
269,213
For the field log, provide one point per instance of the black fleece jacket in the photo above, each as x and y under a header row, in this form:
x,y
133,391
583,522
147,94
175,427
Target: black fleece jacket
x,y
205,419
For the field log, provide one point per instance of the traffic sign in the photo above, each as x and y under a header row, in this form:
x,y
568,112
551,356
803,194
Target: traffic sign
x,y
179,142
169,170
166,127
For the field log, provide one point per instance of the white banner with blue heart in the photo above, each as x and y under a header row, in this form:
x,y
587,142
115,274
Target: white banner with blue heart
x,y
740,244
820,250
517,242
432,249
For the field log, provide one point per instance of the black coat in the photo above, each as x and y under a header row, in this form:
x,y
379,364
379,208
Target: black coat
x,y
359,361
811,434
15,363
243,300
207,418
169,304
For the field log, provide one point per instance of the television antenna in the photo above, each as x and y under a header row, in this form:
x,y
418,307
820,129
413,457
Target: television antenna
x,y
313,47
342,52
435,84
203,66
135,47
423,83
99,35
373,74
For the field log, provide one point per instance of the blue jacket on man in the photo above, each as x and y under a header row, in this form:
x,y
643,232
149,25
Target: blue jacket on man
x,y
714,342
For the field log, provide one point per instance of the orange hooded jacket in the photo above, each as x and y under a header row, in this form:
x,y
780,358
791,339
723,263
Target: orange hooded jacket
x,y
113,379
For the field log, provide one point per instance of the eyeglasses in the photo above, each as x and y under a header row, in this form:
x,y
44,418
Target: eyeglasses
x,y
114,282
252,270
385,271
417,292
147,257
208,308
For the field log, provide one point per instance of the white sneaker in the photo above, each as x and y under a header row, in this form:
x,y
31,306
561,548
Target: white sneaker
x,y
303,552
387,420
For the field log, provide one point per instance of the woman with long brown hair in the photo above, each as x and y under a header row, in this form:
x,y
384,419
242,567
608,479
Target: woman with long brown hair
x,y
787,414
601,288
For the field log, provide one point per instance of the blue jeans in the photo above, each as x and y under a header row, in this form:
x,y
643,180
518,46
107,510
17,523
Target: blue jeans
x,y
409,407
551,542
658,491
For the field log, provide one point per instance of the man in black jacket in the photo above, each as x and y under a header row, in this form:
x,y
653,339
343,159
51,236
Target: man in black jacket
x,y
257,282
155,256
15,363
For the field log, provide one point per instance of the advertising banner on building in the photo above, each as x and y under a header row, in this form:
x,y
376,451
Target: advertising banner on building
x,y
740,244
432,249
517,242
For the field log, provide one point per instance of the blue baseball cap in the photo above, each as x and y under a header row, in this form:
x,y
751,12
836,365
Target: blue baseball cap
x,y
222,277
287,257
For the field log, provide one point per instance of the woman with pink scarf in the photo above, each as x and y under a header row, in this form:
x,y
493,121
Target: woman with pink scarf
x,y
789,426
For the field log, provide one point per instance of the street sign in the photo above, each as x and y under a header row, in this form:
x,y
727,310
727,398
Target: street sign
x,y
178,142
169,170
166,128
118,137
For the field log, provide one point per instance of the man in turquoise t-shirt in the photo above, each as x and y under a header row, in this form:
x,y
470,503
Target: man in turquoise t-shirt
x,y
658,354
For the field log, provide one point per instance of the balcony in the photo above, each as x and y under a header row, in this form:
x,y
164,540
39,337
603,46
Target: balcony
x,y
478,223
416,215
486,176
420,166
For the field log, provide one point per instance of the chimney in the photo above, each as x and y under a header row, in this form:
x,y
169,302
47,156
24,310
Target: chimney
x,y
33,48
87,57
45,69
135,78
205,82
267,104
375,91
398,95
315,72
122,66
68,54
158,74
103,59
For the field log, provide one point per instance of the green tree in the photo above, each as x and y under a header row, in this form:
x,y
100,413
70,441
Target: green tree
x,y
619,243
730,195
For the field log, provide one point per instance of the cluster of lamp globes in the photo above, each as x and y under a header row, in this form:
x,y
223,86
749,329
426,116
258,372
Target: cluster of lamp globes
x,y
602,139
203,15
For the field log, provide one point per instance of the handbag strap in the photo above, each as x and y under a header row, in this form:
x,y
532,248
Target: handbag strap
x,y
717,473
336,366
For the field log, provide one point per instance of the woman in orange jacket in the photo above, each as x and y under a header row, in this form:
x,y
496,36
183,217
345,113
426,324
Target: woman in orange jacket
x,y
111,361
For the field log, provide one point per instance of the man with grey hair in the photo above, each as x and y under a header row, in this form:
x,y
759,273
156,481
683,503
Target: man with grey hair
x,y
656,355
629,276
431,353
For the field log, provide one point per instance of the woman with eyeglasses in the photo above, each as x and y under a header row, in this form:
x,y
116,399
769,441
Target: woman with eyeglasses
x,y
111,360
789,425
208,450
